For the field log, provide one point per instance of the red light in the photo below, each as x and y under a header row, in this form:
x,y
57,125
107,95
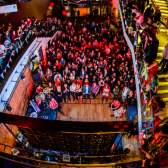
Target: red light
x,y
52,4
64,13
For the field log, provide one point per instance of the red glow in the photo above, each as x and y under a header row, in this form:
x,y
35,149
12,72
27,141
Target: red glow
x,y
64,13
52,4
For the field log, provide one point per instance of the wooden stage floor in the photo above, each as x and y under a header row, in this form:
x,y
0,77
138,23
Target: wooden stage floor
x,y
86,111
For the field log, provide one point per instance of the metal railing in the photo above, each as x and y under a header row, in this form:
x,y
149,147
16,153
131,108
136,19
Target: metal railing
x,y
146,108
73,161
137,81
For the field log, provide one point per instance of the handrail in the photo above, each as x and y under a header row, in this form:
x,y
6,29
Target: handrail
x,y
145,106
67,126
42,163
13,80
135,71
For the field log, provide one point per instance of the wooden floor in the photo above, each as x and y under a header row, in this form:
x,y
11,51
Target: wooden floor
x,y
7,141
86,111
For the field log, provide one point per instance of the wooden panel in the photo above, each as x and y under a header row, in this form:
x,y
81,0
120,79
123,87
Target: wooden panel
x,y
88,112
21,94
18,103
6,138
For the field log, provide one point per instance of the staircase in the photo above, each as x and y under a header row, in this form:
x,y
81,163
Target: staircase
x,y
163,39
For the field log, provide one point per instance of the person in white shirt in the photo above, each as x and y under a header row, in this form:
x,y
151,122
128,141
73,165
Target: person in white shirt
x,y
73,90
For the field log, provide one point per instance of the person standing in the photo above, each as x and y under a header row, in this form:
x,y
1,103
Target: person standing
x,y
157,15
164,62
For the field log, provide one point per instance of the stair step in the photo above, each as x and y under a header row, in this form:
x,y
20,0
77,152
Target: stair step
x,y
162,26
164,10
160,54
163,84
160,1
163,92
161,4
163,30
160,48
158,60
163,76
162,7
163,96
165,99
165,14
159,57
162,88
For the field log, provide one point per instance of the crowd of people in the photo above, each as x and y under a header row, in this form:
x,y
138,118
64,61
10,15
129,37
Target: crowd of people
x,y
11,41
86,59
15,37
146,20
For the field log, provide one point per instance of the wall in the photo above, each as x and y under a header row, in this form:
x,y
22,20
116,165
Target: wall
x,y
34,8
21,94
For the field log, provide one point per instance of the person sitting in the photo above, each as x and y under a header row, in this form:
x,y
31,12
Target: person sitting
x,y
53,108
66,93
57,81
73,90
125,93
48,74
95,89
86,89
58,93
39,89
105,92
78,91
